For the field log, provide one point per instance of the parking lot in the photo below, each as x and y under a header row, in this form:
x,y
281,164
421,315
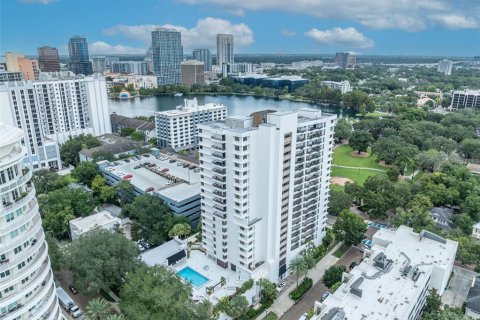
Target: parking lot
x,y
458,287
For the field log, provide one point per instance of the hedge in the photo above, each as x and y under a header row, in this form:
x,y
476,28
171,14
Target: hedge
x,y
302,288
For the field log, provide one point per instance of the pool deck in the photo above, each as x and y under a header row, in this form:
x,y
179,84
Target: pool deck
x,y
200,263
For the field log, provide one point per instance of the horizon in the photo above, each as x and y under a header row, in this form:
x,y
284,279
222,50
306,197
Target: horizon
x,y
278,27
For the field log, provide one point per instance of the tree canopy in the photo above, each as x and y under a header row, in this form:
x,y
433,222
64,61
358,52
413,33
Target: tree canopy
x,y
70,149
349,228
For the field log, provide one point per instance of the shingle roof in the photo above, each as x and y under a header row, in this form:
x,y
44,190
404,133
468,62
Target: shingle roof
x,y
114,144
136,124
473,298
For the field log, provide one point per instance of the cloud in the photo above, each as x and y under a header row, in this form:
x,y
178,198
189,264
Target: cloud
x,y
100,47
410,15
288,33
203,35
38,1
348,38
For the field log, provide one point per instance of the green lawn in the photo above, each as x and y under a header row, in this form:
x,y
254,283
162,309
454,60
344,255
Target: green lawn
x,y
341,251
357,175
271,316
337,187
378,114
342,156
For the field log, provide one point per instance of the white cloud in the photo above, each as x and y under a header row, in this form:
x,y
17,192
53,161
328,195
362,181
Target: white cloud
x,y
288,33
203,35
348,38
100,47
410,15
38,1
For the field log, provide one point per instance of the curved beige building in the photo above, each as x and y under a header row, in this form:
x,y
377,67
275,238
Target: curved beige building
x,y
27,290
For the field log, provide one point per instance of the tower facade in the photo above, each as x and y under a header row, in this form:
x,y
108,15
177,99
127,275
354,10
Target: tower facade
x,y
27,289
167,53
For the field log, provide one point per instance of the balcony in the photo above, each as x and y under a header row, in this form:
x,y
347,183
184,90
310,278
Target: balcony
x,y
219,193
220,171
218,178
220,208
218,163
216,137
19,202
219,186
219,200
27,175
221,148
218,155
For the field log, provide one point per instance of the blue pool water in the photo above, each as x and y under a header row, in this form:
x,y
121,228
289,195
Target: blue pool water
x,y
192,276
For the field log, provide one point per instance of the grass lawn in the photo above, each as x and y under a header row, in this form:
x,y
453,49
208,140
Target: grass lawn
x,y
342,156
341,251
337,187
357,175
271,316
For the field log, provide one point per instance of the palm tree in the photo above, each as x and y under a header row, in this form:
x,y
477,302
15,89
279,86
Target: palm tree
x,y
97,309
115,317
299,267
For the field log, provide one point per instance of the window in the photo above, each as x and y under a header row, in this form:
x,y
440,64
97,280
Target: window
x,y
4,274
9,217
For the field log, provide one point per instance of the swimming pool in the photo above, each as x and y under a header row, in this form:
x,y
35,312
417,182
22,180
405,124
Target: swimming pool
x,y
192,276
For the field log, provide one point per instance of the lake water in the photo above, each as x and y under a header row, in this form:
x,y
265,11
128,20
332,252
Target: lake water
x,y
243,105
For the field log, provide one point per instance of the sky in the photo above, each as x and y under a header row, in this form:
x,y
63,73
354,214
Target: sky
x,y
378,27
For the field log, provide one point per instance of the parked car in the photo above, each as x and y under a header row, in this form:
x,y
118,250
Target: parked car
x,y
165,170
140,247
325,295
186,165
138,166
146,163
126,160
73,289
75,311
146,155
127,176
280,286
179,163
352,265
171,160
149,189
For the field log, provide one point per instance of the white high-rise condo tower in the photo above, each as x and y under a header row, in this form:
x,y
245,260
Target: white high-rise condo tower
x,y
265,183
52,110
224,49
27,290
445,66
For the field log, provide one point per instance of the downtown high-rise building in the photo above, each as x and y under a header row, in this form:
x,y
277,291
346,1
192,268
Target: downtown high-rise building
x,y
345,59
79,58
265,188
193,72
167,54
17,62
445,66
99,64
53,109
27,288
224,49
48,59
204,56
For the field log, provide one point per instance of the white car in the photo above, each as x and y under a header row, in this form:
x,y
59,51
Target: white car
x,y
281,286
75,311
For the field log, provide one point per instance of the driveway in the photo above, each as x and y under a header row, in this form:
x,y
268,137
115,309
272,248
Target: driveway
x,y
457,290
308,300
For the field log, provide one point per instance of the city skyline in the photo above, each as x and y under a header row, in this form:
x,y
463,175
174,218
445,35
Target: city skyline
x,y
417,29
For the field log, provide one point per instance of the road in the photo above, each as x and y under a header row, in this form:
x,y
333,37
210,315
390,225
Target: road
x,y
308,300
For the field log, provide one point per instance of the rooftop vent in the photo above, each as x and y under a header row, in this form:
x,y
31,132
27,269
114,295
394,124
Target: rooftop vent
x,y
432,236
416,274
381,262
355,287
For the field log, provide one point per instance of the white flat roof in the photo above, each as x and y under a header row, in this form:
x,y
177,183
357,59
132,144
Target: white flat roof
x,y
159,255
390,295
99,219
186,110
142,178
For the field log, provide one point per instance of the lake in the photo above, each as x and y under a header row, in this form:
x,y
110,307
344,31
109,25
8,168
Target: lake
x,y
244,105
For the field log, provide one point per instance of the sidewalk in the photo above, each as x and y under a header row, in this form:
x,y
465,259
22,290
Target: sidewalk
x,y
283,301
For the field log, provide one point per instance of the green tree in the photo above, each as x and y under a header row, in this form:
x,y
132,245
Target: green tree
x,y
125,132
298,266
152,219
97,309
153,141
100,155
394,150
138,136
100,260
107,194
70,149
433,302
470,149
343,130
54,252
46,181
440,143
360,140
471,206
114,317
431,160
157,293
349,228
268,291
468,251
393,173
338,202
85,172
180,230
415,218
97,183
124,189
363,110
237,307
333,275
464,222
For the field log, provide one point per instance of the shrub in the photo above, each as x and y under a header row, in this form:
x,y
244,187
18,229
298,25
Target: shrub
x,y
302,288
247,285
